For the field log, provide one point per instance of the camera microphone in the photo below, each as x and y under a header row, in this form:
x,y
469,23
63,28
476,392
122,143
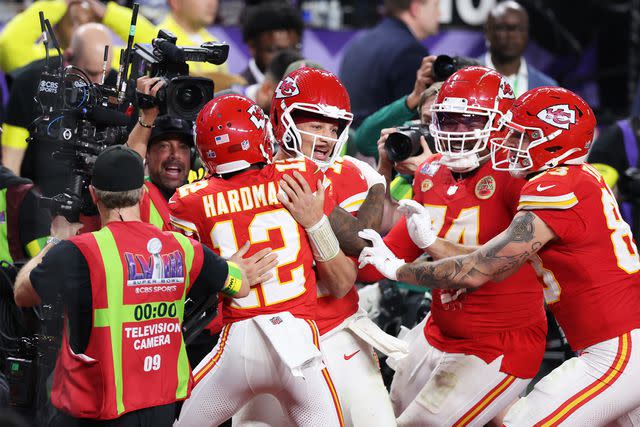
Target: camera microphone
x,y
169,51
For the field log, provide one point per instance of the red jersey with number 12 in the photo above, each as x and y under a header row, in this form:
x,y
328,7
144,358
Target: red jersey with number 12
x,y
593,284
226,213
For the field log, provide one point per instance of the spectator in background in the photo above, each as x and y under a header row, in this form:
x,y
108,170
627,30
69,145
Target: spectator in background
x,y
19,39
401,110
266,29
85,51
379,65
188,21
274,73
507,35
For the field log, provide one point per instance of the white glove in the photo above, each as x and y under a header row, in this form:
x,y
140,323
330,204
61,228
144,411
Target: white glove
x,y
418,223
370,174
380,256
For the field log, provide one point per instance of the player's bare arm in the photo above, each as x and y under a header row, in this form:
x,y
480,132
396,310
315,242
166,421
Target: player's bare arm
x,y
497,259
346,226
335,270
443,248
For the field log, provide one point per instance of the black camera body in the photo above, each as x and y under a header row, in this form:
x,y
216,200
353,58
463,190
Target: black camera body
x,y
81,119
444,66
405,142
182,96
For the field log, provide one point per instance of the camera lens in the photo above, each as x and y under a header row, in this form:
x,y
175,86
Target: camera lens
x,y
443,67
398,146
189,97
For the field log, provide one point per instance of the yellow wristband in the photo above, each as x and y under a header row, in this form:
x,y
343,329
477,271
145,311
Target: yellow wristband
x,y
234,280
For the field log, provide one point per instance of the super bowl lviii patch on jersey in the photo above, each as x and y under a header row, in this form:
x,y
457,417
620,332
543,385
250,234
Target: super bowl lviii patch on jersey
x,y
430,169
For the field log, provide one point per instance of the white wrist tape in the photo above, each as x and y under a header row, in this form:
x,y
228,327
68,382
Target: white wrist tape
x,y
324,243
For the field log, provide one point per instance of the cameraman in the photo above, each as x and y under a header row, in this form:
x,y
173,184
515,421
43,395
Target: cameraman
x,y
400,186
131,279
33,160
166,144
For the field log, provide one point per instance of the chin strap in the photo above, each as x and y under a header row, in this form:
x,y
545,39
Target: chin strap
x,y
461,164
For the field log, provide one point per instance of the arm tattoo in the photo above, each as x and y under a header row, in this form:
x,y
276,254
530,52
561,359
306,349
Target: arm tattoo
x,y
346,226
486,263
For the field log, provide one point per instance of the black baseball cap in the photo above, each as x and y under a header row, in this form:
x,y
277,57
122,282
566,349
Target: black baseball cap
x,y
118,168
168,127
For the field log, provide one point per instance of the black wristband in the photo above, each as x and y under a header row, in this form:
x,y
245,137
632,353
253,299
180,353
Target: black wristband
x,y
146,101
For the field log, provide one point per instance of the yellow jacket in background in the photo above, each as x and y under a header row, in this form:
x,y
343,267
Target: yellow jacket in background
x,y
118,19
19,39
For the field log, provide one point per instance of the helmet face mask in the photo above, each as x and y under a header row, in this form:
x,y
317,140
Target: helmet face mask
x,y
310,92
466,115
548,126
232,133
294,138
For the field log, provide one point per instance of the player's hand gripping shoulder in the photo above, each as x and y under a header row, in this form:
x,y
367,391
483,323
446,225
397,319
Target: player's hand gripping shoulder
x,y
495,260
305,206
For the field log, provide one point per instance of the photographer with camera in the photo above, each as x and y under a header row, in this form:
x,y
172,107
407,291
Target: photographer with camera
x,y
166,144
123,289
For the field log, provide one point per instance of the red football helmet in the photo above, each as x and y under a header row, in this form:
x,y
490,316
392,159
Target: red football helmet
x,y
310,90
548,126
466,114
232,133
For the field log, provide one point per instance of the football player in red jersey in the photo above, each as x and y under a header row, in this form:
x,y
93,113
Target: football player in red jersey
x,y
568,224
269,343
311,115
476,352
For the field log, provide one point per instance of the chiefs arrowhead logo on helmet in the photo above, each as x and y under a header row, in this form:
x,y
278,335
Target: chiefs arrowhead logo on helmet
x,y
560,116
257,116
287,88
505,90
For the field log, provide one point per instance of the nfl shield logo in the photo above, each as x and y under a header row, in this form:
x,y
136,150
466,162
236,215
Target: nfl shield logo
x,y
276,320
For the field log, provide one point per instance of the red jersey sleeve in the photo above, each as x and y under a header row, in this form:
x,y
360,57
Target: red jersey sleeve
x,y
184,213
551,197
